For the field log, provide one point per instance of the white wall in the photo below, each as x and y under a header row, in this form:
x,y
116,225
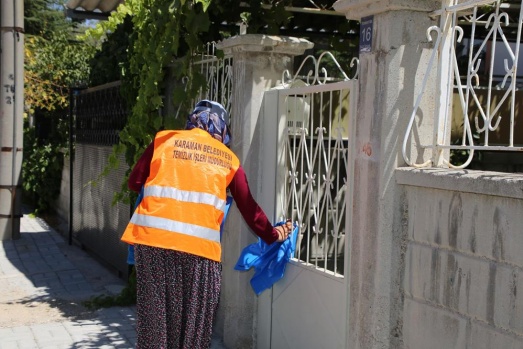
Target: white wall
x,y
463,263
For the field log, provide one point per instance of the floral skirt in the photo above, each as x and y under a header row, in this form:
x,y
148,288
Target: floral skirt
x,y
177,298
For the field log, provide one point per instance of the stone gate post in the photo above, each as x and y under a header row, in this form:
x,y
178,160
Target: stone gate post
x,y
258,65
394,52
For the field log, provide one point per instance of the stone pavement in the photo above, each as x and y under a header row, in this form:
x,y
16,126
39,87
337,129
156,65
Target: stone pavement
x,y
43,282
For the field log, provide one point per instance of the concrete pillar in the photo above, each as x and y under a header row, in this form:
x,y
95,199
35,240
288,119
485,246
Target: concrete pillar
x,y
258,64
11,116
391,70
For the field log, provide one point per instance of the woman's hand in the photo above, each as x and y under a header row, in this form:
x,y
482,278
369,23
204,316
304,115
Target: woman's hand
x,y
284,230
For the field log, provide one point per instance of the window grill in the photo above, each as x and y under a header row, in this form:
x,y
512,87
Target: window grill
x,y
477,56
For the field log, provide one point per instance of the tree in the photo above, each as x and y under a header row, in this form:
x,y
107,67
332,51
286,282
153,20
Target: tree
x,y
51,66
54,58
44,17
54,61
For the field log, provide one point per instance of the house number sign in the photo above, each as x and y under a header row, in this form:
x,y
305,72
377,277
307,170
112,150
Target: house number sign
x,y
366,29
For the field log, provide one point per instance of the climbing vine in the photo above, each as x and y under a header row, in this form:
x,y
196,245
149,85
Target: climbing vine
x,y
162,31
52,64
159,35
163,36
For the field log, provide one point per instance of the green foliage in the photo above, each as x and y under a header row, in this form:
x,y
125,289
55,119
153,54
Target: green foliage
x,y
160,31
53,62
44,17
147,39
275,18
110,62
43,163
52,65
103,29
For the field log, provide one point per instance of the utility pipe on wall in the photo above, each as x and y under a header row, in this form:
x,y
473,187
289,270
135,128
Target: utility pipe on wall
x,y
11,116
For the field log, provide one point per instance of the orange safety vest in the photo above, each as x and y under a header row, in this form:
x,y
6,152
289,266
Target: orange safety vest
x,y
185,194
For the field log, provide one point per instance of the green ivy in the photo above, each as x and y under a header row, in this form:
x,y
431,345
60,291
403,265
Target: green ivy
x,y
163,37
162,31
162,27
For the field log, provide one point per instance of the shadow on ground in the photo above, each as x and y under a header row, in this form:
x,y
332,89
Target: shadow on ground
x,y
45,284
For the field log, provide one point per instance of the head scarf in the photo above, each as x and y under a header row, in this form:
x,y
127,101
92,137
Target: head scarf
x,y
211,117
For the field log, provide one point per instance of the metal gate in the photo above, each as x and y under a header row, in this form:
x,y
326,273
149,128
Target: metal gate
x,y
313,188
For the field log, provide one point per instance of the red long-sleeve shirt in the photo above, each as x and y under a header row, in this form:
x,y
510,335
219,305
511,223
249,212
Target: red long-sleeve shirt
x,y
251,212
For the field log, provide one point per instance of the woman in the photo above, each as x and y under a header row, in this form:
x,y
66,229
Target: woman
x,y
176,228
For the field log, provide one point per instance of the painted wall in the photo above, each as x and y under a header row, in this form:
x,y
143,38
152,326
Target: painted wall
x,y
463,262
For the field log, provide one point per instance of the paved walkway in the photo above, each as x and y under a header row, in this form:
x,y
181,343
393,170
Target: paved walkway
x,y
43,282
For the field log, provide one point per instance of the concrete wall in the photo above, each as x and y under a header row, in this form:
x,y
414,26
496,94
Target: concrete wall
x,y
391,76
463,263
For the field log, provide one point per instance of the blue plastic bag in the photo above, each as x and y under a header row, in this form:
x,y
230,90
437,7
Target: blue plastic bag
x,y
268,261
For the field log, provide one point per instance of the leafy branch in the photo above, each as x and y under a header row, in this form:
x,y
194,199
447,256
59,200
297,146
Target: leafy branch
x,y
162,37
162,31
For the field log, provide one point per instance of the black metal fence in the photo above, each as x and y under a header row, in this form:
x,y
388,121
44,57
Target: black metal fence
x,y
98,223
100,114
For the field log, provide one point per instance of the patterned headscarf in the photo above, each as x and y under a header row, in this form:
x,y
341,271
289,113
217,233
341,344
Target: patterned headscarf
x,y
211,117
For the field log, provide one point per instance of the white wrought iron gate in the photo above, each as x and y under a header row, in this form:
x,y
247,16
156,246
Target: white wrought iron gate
x,y
308,308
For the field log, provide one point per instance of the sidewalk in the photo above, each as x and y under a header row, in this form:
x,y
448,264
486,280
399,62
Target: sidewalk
x,y
43,282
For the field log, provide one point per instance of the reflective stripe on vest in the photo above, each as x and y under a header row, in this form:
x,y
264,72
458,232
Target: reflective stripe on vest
x,y
176,227
186,196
